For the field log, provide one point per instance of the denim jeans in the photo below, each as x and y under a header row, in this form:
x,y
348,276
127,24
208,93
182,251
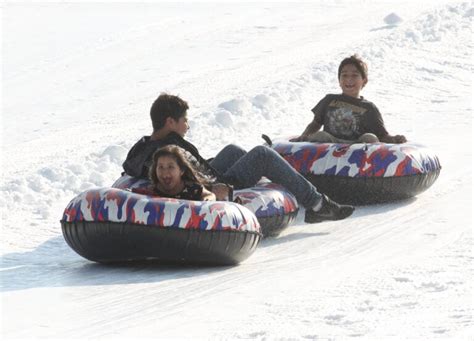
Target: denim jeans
x,y
245,169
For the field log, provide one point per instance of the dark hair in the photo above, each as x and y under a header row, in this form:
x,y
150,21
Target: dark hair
x,y
357,62
167,106
178,154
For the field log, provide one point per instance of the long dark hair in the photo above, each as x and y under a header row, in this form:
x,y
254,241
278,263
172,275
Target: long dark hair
x,y
190,175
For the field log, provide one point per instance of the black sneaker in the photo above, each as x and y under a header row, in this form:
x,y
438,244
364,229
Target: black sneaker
x,y
330,210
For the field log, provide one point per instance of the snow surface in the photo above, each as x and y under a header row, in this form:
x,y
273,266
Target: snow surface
x,y
77,83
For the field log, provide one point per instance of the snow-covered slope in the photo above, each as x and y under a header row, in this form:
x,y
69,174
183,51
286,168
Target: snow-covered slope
x,y
77,83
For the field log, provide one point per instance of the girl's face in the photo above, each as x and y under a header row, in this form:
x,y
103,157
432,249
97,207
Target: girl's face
x,y
351,81
169,175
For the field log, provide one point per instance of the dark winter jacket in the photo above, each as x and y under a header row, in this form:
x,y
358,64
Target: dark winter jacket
x,y
140,157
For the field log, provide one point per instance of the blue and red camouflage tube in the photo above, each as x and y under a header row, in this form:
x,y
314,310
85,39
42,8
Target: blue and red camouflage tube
x,y
116,225
363,173
273,205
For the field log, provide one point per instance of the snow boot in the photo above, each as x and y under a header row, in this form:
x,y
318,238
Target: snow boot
x,y
329,210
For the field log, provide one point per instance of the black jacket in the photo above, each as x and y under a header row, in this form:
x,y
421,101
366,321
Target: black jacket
x,y
140,157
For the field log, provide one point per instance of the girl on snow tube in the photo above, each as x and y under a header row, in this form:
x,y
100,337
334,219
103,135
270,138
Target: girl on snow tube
x,y
171,175
172,219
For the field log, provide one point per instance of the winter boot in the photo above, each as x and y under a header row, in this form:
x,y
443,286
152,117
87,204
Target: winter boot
x,y
329,210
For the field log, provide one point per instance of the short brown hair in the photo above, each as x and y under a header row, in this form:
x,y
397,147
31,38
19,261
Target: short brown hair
x,y
357,62
167,106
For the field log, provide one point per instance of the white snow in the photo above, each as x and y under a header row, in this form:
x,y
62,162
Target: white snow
x,y
77,83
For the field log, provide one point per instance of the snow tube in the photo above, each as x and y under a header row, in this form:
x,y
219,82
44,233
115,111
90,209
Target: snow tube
x,y
363,173
115,225
273,205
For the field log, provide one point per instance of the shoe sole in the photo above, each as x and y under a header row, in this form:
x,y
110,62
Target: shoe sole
x,y
321,219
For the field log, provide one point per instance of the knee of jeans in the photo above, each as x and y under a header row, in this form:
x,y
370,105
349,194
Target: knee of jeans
x,y
261,150
234,148
369,138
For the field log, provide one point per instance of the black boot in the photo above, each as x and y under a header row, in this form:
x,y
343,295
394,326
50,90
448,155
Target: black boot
x,y
330,210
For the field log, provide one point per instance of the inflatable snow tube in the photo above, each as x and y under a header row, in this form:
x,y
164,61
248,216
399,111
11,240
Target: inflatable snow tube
x,y
363,173
115,225
273,205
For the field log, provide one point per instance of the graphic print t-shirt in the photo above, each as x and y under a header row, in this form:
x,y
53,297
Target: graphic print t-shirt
x,y
348,118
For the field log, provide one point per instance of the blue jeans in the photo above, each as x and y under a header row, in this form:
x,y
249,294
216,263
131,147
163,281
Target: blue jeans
x,y
244,169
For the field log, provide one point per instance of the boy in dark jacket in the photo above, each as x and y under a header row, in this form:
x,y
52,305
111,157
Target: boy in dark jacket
x,y
232,165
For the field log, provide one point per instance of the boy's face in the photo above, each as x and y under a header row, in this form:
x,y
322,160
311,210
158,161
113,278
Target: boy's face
x,y
180,126
351,81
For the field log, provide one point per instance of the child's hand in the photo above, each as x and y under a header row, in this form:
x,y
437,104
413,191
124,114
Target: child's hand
x,y
209,197
399,139
221,191
393,139
298,139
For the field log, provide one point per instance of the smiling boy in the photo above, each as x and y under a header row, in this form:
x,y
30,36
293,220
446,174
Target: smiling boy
x,y
348,117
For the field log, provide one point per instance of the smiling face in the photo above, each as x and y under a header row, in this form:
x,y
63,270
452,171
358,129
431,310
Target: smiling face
x,y
351,80
169,175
